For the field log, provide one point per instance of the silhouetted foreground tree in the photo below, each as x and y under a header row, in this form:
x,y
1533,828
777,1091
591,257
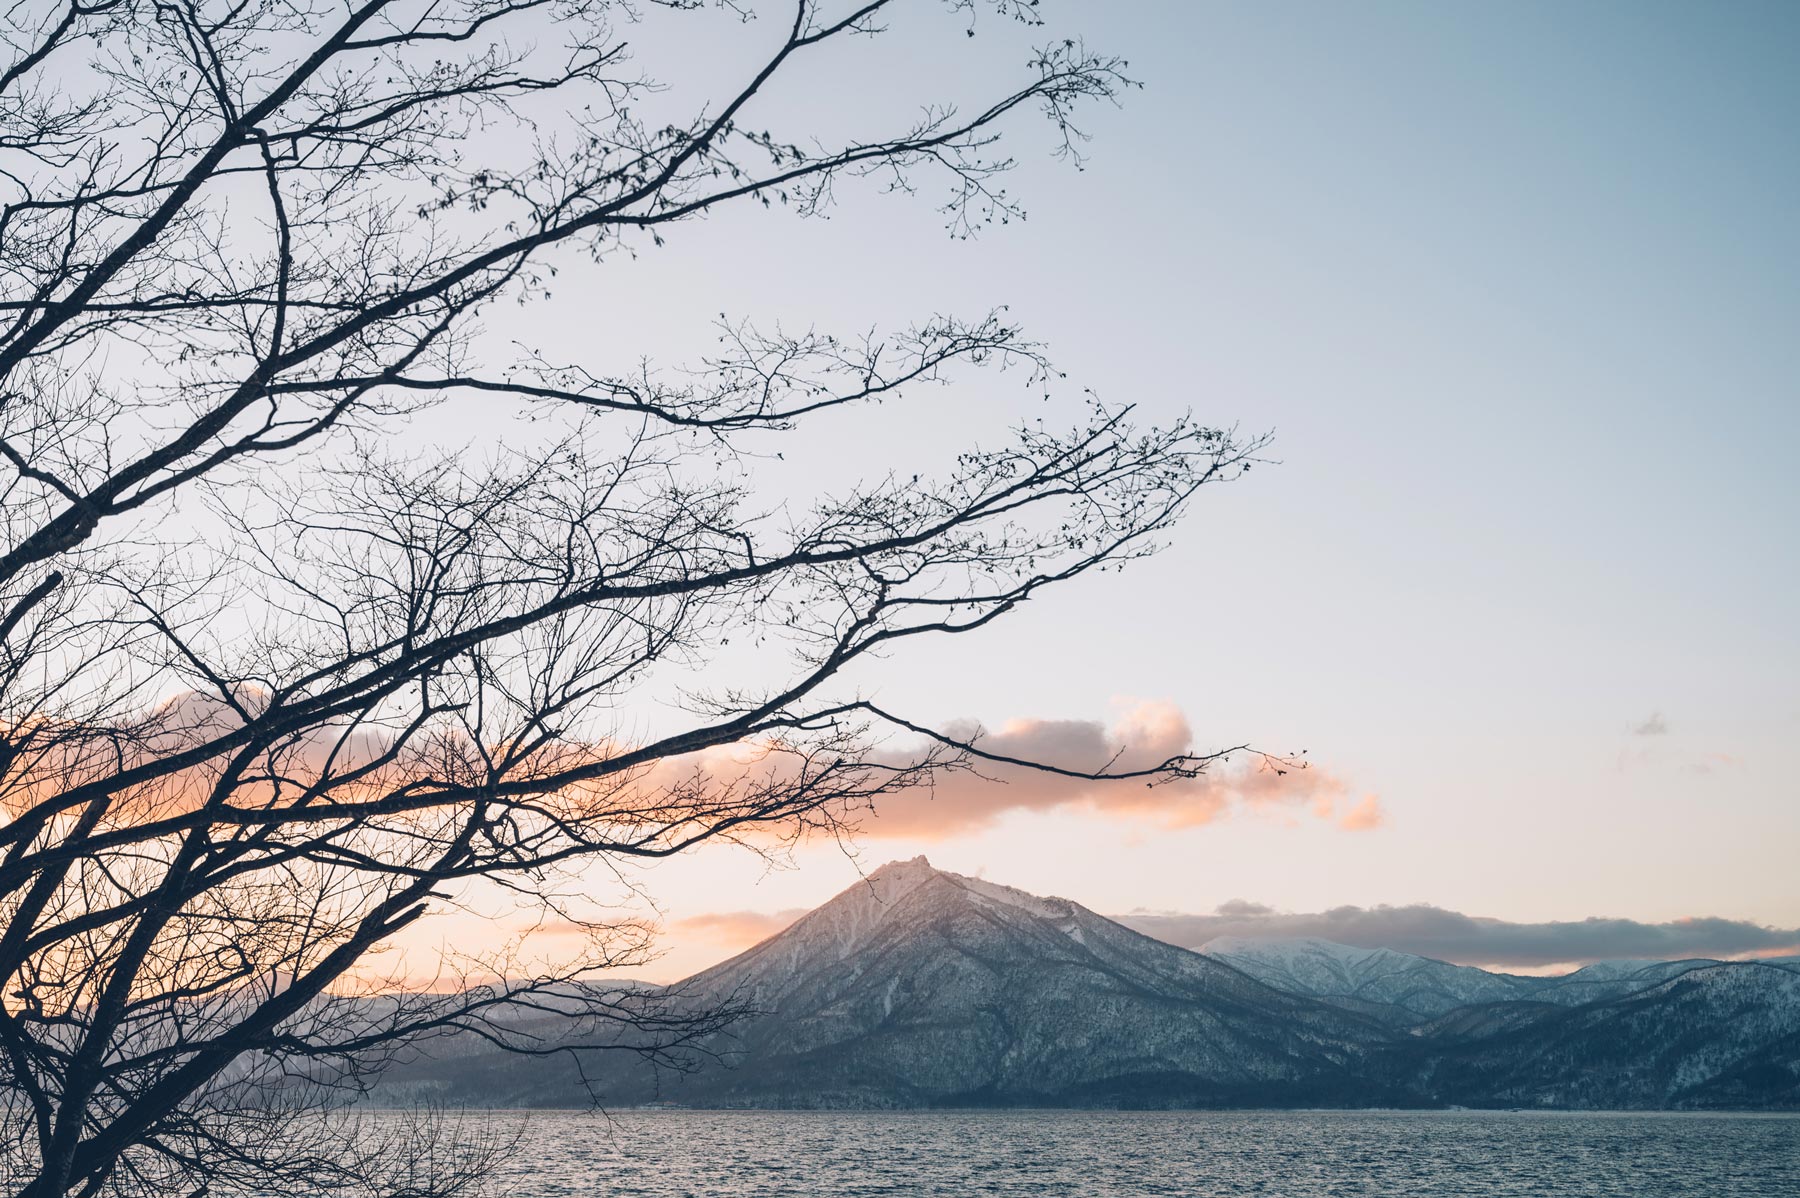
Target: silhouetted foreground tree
x,y
273,681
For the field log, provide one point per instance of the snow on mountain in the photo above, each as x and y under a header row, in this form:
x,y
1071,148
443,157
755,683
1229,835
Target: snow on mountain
x,y
1366,977
835,929
1370,979
1718,1035
1604,981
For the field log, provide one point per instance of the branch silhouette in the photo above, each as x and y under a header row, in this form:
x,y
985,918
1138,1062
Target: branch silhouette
x,y
275,682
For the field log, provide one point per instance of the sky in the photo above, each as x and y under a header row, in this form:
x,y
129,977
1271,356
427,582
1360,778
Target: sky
x,y
1515,288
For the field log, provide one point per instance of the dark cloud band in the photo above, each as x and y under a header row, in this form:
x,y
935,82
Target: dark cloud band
x,y
1477,940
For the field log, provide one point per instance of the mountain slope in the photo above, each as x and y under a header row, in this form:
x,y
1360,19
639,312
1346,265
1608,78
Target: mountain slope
x,y
1368,979
1403,988
1720,1035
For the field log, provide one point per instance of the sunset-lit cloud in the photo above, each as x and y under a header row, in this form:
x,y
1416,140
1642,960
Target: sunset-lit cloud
x,y
1365,815
1146,735
962,800
1431,931
737,929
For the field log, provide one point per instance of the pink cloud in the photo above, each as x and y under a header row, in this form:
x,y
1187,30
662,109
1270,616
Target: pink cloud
x,y
967,800
1145,736
958,801
738,929
1364,816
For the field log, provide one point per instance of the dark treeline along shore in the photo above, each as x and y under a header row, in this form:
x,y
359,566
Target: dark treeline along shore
x,y
921,988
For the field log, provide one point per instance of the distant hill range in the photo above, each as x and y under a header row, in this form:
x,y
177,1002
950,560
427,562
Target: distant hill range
x,y
918,988
1403,989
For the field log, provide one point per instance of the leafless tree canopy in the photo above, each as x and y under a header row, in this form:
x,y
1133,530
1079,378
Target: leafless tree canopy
x,y
274,683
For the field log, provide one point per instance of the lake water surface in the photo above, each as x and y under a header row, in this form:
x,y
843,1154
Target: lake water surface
x,y
1296,1154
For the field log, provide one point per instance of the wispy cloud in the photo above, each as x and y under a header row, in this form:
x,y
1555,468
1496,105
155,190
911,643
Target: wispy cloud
x,y
1654,745
1708,763
735,928
1447,935
957,802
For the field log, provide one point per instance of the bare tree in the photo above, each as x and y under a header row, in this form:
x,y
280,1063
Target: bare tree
x,y
274,683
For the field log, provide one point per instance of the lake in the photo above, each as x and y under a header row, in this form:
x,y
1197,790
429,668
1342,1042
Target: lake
x,y
1289,1154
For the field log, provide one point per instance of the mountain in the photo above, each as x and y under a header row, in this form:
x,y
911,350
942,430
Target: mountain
x,y
1402,988
917,988
921,987
1717,1035
1615,1034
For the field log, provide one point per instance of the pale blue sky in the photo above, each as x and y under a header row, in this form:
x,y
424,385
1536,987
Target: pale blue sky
x,y
1516,285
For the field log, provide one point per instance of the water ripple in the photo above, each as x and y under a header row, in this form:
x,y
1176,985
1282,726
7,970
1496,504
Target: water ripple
x,y
1031,1154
